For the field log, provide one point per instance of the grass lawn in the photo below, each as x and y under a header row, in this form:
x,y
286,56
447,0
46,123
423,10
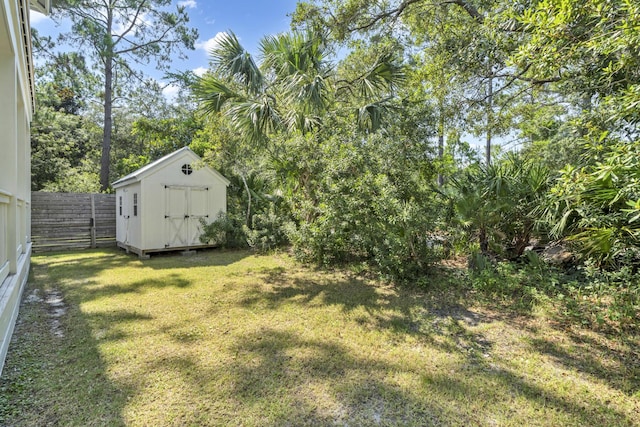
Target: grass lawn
x,y
233,338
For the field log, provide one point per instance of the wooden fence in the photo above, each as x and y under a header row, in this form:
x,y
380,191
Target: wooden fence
x,y
72,221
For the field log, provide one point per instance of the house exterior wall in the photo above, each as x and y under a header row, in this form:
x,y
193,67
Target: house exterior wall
x,y
16,89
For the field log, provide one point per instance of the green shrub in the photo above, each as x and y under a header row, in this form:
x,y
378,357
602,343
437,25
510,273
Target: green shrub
x,y
368,201
226,231
497,204
597,207
609,296
268,230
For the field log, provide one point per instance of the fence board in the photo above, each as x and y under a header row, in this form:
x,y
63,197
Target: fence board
x,y
62,221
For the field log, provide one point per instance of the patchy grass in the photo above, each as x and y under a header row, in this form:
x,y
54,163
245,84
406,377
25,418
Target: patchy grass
x,y
231,338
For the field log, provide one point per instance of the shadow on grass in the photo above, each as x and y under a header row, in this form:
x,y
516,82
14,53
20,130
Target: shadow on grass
x,y
107,325
58,380
287,378
91,262
620,368
331,385
208,257
90,291
357,392
608,352
348,294
442,327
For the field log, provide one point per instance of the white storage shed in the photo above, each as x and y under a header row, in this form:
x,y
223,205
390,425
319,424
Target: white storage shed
x,y
160,206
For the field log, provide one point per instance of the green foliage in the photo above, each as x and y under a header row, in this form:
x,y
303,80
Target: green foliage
x,y
268,229
116,36
173,129
133,162
606,297
598,207
371,202
65,81
292,88
498,202
588,46
590,296
226,231
83,179
62,150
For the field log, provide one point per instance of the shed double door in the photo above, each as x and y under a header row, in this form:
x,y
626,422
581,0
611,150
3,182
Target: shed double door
x,y
185,207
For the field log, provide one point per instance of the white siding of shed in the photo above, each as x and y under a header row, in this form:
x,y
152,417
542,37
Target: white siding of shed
x,y
155,197
128,224
170,203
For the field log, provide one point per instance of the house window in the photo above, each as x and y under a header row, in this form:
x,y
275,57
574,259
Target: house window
x,y
135,204
120,205
186,169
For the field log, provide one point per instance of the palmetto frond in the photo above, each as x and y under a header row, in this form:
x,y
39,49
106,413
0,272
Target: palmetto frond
x,y
300,121
213,94
293,88
370,115
295,61
311,93
256,118
382,77
293,53
229,58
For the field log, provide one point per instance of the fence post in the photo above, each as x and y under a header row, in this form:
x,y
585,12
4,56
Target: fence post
x,y
93,222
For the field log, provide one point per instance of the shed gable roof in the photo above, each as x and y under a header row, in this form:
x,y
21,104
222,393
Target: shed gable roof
x,y
154,166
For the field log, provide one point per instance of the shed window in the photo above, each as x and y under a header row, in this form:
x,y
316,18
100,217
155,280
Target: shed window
x,y
120,205
186,169
135,204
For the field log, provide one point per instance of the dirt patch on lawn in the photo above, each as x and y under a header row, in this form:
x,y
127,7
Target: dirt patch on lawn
x,y
55,306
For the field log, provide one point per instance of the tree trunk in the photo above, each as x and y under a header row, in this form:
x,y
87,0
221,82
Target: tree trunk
x,y
105,160
489,120
441,144
246,187
483,240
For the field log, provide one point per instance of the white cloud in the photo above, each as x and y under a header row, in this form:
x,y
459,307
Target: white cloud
x,y
122,23
171,91
37,17
191,4
200,71
208,45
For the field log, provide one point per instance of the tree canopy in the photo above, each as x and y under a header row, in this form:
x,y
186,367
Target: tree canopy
x,y
119,35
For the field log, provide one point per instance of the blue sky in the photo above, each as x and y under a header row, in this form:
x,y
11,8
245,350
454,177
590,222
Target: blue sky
x,y
248,19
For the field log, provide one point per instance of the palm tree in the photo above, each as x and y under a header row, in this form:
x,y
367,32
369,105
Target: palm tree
x,y
499,201
292,88
291,91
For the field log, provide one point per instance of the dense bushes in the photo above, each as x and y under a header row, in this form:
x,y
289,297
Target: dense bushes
x,y
226,232
597,207
344,198
498,203
373,203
